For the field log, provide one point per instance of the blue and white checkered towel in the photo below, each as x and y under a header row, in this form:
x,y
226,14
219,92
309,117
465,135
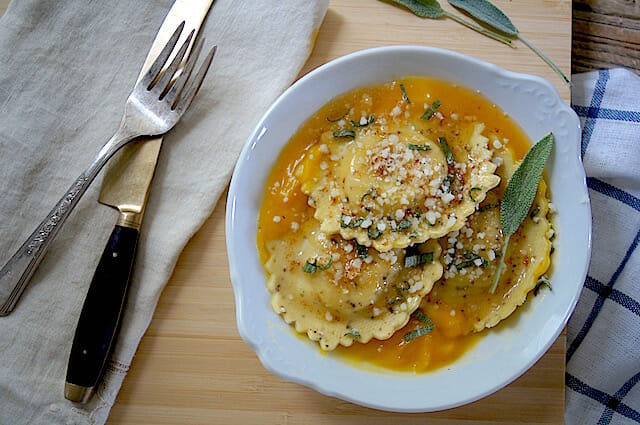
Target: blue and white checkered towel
x,y
603,346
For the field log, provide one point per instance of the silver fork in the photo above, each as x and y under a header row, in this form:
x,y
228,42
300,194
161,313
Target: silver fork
x,y
153,108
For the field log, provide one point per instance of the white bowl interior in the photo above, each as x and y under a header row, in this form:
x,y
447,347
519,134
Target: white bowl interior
x,y
506,351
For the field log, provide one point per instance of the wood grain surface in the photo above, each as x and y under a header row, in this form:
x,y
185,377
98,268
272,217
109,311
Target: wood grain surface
x,y
606,34
192,367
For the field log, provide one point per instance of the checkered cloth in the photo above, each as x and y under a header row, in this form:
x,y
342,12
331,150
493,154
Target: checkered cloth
x,y
603,347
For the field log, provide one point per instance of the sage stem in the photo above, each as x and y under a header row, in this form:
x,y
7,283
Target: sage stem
x,y
497,277
478,28
545,58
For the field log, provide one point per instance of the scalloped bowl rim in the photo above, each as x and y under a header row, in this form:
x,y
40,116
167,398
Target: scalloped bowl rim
x,y
505,352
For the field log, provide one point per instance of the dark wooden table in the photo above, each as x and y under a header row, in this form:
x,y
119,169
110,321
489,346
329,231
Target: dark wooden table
x,y
606,34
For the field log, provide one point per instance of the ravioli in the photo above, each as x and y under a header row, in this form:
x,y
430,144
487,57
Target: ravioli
x,y
471,257
337,291
380,224
394,182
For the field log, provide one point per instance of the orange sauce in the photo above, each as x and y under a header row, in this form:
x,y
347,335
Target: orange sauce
x,y
283,198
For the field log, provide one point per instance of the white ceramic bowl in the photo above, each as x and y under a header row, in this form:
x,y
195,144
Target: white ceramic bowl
x,y
504,353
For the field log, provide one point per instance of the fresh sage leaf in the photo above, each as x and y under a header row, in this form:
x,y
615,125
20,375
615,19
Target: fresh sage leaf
x,y
523,185
486,12
431,9
520,192
423,8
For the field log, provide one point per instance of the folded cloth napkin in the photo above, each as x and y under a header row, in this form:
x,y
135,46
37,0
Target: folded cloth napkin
x,y
66,70
603,346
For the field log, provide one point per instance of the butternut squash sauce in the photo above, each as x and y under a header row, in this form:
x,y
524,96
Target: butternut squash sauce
x,y
451,336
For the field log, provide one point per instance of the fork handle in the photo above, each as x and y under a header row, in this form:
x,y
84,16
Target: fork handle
x,y
15,275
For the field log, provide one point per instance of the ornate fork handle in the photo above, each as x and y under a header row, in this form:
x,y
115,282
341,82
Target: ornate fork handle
x,y
15,275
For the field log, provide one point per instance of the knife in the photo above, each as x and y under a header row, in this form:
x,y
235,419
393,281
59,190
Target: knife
x,y
125,187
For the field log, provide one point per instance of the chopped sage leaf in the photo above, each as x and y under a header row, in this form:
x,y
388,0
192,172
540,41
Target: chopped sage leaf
x,y
447,152
337,119
363,251
418,259
351,222
446,184
326,266
413,147
471,263
534,212
399,298
474,189
488,207
344,133
353,332
373,234
417,333
472,258
370,120
431,110
420,316
404,94
371,192
404,224
543,281
310,267
468,254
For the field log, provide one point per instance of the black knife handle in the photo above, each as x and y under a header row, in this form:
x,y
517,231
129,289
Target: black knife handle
x,y
100,317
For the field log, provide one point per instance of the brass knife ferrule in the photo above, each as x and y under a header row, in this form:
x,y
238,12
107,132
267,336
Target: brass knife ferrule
x,y
130,219
77,393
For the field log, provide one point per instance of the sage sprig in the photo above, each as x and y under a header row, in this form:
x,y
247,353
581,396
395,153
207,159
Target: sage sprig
x,y
520,192
431,9
486,12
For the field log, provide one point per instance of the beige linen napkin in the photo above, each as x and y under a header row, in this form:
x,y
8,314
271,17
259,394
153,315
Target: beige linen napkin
x,y
66,68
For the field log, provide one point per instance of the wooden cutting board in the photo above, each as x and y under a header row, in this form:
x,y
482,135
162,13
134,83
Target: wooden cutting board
x,y
192,367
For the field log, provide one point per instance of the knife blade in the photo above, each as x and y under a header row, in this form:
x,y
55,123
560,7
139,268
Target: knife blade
x,y
125,187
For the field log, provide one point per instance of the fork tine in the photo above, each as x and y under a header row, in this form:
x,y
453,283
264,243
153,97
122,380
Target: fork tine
x,y
167,75
177,87
194,86
156,67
